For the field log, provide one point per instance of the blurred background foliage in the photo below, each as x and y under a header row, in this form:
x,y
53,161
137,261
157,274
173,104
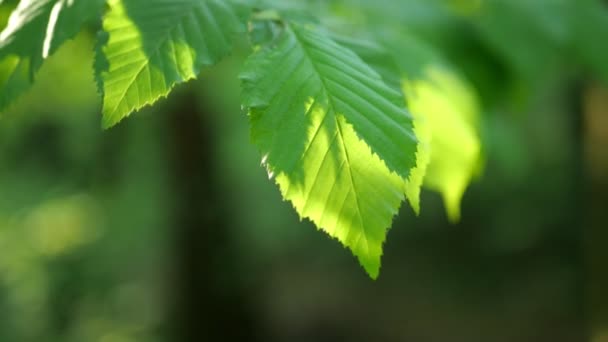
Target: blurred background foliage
x,y
103,238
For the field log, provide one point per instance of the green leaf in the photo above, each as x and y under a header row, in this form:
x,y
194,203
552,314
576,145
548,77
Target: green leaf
x,y
446,111
354,90
323,121
35,30
154,44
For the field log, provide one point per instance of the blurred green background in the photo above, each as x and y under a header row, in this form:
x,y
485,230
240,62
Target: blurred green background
x,y
166,227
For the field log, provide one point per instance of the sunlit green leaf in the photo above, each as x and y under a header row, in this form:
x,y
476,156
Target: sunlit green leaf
x,y
155,44
323,119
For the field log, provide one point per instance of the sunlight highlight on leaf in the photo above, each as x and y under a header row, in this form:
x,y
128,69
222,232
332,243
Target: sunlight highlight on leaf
x,y
50,30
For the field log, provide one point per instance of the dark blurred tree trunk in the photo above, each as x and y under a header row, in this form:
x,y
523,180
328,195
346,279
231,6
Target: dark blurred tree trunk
x,y
595,154
210,301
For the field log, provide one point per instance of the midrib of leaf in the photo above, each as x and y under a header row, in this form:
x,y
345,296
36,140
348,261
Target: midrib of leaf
x,y
353,189
339,133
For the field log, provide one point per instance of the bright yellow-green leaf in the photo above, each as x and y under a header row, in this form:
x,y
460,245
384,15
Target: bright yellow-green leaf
x,y
446,114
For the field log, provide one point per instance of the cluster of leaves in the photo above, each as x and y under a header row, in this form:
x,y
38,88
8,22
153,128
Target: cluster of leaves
x,y
328,111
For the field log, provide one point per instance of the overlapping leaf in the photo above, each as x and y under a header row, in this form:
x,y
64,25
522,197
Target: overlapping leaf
x,y
35,30
323,119
392,70
446,112
154,44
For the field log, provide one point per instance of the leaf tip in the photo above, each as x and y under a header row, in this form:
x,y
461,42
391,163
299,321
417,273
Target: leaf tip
x,y
452,201
108,122
372,268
